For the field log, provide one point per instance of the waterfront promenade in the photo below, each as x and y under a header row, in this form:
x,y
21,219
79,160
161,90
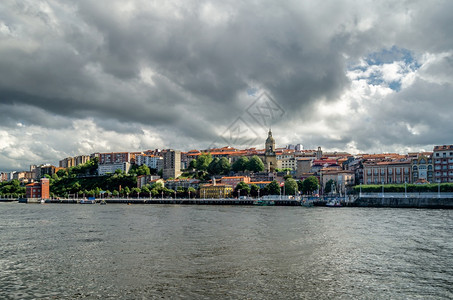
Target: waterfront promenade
x,y
394,200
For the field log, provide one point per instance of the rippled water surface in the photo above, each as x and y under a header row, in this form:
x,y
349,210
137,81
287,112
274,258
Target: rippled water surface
x,y
203,252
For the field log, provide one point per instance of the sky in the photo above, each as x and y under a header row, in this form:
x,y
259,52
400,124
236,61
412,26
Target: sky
x,y
78,77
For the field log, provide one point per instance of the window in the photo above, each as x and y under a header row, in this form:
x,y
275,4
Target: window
x,y
437,154
414,168
390,171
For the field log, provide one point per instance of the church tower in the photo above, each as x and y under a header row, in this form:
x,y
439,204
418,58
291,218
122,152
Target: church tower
x,y
269,155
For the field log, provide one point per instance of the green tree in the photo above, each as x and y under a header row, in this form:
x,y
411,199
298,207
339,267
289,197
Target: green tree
x,y
240,165
243,188
290,186
192,192
213,167
310,184
145,190
273,188
224,166
255,164
203,161
330,186
254,190
193,164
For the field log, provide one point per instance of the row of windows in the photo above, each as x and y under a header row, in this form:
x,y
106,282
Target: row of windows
x,y
390,180
444,154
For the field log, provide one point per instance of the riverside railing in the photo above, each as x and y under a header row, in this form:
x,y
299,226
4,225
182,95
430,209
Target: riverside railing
x,y
406,195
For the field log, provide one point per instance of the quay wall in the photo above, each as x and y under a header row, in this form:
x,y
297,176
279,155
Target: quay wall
x,y
403,202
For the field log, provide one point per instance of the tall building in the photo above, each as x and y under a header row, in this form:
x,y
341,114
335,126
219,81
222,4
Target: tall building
x,y
171,164
443,163
270,158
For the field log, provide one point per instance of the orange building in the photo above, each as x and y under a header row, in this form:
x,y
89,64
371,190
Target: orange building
x,y
38,189
234,180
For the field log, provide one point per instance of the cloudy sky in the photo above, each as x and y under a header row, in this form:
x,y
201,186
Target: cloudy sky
x,y
78,77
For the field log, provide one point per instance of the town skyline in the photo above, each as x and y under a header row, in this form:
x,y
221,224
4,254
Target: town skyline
x,y
77,78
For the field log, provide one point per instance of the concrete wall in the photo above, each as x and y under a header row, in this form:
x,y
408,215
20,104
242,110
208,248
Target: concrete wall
x,y
404,202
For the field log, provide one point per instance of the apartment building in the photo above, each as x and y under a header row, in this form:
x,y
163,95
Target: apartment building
x,y
171,163
443,163
387,172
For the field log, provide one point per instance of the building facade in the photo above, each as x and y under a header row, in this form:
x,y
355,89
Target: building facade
x,y
216,191
234,180
104,169
38,189
443,163
387,172
171,164
270,158
152,161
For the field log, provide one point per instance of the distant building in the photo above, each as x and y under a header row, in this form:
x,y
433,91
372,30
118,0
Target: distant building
x,y
104,169
234,180
38,189
343,179
216,191
143,180
171,164
41,170
387,172
69,162
270,158
443,163
303,166
422,168
152,161
174,184
114,157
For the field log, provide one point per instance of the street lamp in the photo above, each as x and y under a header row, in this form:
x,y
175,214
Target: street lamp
x,y
382,188
405,189
239,193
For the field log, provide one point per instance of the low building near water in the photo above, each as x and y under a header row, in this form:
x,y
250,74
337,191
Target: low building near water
x,y
38,189
216,191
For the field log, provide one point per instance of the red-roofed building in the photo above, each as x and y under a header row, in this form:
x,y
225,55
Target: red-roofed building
x,y
38,189
234,180
387,172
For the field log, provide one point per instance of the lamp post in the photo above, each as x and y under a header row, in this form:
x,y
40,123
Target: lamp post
x,y
360,193
162,195
438,189
258,193
239,193
405,189
382,188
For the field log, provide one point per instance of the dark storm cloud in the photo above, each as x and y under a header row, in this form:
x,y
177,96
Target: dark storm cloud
x,y
183,69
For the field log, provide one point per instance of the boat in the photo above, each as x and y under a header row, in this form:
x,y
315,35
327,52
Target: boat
x,y
333,203
306,203
43,201
102,202
90,200
264,202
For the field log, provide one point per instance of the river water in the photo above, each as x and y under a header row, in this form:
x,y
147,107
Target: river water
x,y
57,251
